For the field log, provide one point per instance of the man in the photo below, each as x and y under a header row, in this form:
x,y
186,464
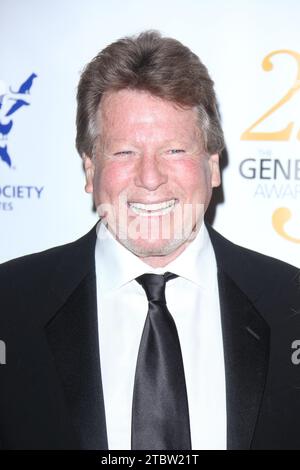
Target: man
x,y
152,331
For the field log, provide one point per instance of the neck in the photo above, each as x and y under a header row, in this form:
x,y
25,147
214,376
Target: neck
x,y
160,261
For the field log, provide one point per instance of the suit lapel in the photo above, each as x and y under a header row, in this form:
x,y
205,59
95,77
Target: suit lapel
x,y
72,335
246,337
246,353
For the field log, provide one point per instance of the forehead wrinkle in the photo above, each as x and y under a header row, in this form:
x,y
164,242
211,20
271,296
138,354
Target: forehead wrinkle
x,y
138,137
136,124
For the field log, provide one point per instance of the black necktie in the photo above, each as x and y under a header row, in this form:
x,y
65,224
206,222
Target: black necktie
x,y
160,416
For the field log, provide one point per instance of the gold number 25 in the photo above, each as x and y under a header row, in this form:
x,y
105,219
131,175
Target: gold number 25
x,y
283,134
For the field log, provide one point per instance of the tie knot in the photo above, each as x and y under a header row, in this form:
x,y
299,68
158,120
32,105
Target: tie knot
x,y
154,285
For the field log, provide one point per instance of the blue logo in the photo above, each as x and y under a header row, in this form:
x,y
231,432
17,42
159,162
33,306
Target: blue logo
x,y
8,109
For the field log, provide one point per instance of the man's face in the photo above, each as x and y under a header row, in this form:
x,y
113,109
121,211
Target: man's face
x,y
150,175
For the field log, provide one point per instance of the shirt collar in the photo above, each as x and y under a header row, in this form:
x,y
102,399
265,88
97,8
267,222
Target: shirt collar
x,y
118,266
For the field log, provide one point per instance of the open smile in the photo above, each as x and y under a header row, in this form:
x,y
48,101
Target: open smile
x,y
150,210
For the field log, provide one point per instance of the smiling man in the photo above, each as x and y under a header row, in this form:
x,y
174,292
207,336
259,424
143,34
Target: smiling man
x,y
153,152
152,331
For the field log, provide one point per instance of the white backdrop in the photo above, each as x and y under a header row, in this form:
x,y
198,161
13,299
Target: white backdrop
x,y
42,198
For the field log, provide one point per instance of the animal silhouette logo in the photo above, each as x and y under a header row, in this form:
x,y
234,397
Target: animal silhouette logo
x,y
10,103
25,87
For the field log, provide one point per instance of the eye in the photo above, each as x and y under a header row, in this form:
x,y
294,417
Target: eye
x,y
175,151
123,153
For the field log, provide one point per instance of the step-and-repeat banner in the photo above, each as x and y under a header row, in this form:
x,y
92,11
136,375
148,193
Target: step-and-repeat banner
x,y
252,50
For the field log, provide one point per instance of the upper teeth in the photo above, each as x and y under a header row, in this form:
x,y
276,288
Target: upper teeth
x,y
152,207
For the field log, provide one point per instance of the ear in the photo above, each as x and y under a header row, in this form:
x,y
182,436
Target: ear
x,y
89,169
214,170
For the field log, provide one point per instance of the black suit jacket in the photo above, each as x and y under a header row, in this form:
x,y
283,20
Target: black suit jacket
x,y
50,387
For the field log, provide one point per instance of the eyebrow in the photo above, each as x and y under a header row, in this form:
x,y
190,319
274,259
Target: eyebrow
x,y
166,143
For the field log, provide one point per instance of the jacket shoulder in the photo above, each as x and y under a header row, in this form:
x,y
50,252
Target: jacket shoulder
x,y
236,257
35,264
272,285
27,283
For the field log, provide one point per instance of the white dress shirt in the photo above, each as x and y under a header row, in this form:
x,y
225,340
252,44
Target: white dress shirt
x,y
193,301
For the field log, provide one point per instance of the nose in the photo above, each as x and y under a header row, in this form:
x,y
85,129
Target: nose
x,y
150,173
